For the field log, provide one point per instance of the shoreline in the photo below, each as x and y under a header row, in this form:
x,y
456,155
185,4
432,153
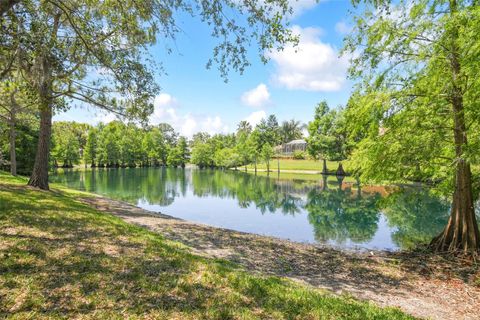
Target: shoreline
x,y
420,284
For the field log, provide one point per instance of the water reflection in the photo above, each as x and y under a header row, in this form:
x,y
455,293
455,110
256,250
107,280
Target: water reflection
x,y
317,209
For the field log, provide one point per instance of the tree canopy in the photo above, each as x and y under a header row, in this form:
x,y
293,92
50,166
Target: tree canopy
x,y
417,102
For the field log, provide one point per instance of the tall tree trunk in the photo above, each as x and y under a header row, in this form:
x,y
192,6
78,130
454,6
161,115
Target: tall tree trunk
x,y
13,152
39,178
461,232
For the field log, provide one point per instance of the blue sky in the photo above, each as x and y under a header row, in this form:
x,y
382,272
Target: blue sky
x,y
196,99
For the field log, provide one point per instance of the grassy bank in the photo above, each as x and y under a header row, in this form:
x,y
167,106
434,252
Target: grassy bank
x,y
62,259
297,165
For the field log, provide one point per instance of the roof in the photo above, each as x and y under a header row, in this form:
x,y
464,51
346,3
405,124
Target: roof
x,y
298,141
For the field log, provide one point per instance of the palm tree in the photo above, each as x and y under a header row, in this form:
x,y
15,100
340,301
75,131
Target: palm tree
x,y
244,126
291,130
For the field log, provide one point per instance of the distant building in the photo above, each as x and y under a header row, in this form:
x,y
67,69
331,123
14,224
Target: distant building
x,y
290,147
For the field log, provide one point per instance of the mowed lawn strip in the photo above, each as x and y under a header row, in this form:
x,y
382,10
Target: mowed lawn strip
x,y
62,259
298,165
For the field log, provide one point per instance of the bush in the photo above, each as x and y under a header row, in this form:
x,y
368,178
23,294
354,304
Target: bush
x,y
299,155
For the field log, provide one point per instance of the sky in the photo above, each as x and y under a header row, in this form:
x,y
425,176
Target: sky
x,y
194,98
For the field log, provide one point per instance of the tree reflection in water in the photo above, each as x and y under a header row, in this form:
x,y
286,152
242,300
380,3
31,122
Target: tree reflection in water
x,y
338,211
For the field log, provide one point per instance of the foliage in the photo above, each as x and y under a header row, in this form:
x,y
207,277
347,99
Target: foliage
x,y
26,142
244,127
269,131
291,130
410,125
226,158
266,154
327,134
118,145
90,153
66,149
417,101
69,141
246,146
178,155
202,155
299,155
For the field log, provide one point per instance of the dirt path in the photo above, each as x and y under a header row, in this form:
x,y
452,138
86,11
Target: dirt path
x,y
422,285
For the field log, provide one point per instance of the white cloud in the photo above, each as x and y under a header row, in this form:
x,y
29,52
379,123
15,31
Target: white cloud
x,y
255,117
257,97
104,117
165,100
300,6
312,66
166,110
343,28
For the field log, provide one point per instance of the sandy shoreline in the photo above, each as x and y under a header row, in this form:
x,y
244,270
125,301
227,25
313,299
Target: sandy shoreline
x,y
422,285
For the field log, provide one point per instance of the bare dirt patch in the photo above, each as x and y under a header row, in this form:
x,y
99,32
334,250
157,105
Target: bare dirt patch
x,y
423,285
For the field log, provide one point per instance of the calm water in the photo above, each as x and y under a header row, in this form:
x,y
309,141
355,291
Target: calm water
x,y
315,211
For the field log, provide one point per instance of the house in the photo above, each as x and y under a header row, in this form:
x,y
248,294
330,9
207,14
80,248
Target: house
x,y
290,147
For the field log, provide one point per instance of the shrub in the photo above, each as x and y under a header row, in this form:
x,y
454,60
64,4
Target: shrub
x,y
299,155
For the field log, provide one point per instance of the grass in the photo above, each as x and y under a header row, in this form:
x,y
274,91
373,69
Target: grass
x,y
62,259
298,165
317,178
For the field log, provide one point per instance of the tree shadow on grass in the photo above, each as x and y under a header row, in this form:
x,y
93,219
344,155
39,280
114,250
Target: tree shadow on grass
x,y
72,261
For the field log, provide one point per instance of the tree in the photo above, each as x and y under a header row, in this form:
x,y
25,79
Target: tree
x,y
202,155
66,148
26,137
321,141
131,145
226,158
417,102
267,154
90,153
109,144
254,144
244,127
149,149
168,133
200,137
291,130
161,146
243,148
14,109
178,156
65,43
269,131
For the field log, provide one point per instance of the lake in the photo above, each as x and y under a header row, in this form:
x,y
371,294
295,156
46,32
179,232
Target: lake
x,y
312,209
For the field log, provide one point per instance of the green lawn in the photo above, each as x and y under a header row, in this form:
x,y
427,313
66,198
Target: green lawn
x,y
300,165
62,259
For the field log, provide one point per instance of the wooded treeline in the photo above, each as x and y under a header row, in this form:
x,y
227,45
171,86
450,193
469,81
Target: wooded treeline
x,y
116,145
328,139
119,144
